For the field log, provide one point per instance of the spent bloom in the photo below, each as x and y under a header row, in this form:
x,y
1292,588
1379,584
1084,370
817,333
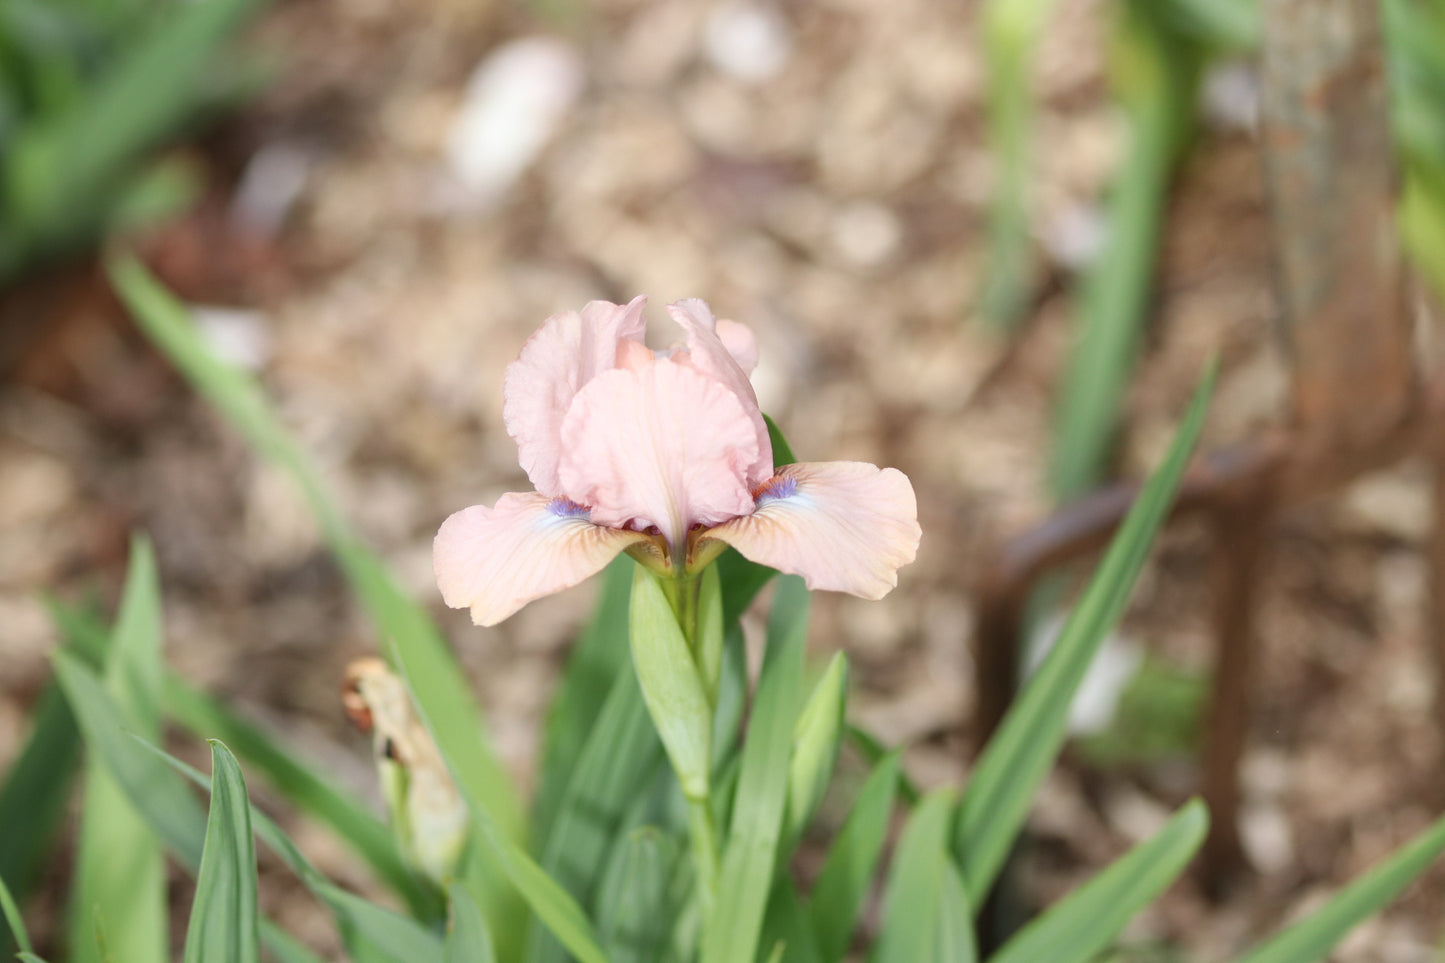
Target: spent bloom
x,y
664,455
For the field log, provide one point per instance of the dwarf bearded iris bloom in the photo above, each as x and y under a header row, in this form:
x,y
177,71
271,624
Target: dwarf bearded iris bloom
x,y
664,455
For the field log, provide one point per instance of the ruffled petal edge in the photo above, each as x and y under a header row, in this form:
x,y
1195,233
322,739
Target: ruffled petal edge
x,y
496,560
843,526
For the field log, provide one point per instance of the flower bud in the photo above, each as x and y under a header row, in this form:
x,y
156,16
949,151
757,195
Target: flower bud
x,y
671,684
816,738
427,813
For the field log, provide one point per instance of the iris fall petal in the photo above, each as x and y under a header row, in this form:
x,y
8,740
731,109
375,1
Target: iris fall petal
x,y
844,526
496,560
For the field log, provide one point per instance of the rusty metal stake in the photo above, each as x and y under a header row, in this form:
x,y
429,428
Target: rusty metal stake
x,y
1241,545
1356,399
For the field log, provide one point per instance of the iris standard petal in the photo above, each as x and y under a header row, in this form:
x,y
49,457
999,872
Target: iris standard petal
x,y
662,445
740,342
569,350
720,358
845,526
496,560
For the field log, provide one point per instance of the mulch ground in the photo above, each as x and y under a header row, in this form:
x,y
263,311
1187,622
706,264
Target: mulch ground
x,y
833,198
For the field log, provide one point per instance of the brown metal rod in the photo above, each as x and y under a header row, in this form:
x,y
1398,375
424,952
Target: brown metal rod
x,y
1240,550
1073,533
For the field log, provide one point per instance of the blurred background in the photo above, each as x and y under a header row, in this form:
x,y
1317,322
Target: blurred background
x,y
917,206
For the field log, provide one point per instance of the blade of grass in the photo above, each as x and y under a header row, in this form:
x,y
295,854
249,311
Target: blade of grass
x,y
283,947
11,915
1021,752
467,940
847,872
622,753
782,451
303,785
224,922
788,925
953,941
1231,25
120,881
61,168
920,904
1156,77
639,899
33,797
732,933
82,629
384,934
1085,921
732,697
172,813
598,656
1011,29
438,682
556,908
1313,937
873,751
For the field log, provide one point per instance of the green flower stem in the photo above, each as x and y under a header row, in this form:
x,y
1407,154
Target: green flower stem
x,y
705,853
683,594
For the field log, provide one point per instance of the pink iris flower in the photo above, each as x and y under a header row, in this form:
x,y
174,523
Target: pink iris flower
x,y
664,455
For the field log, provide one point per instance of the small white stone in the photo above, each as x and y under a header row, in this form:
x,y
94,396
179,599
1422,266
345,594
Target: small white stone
x,y
270,185
750,42
1074,234
514,103
866,233
237,335
1108,675
1264,832
1229,96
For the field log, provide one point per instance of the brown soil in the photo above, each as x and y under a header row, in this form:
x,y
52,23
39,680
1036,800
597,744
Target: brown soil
x,y
839,210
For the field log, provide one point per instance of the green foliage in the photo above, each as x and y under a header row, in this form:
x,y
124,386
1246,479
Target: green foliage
x,y
614,881
926,912
1027,741
87,92
847,873
1010,33
1158,52
816,741
672,684
622,754
467,940
1086,921
1416,32
224,926
438,683
1313,937
457,736
303,784
1156,69
11,914
640,897
34,791
732,931
598,657
120,883
149,780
